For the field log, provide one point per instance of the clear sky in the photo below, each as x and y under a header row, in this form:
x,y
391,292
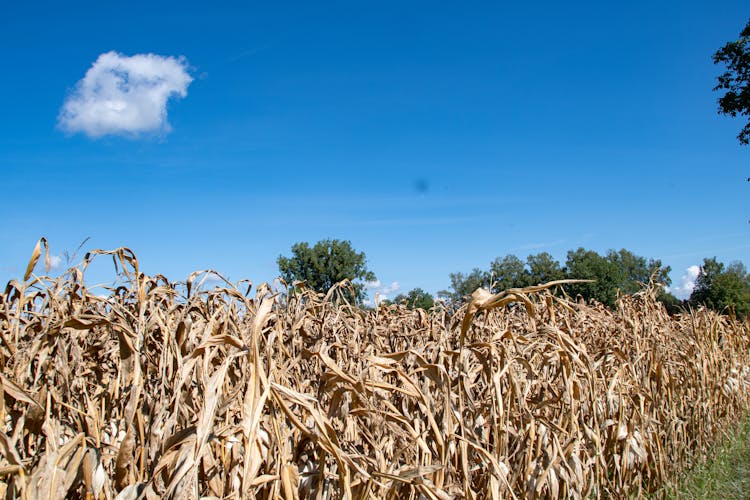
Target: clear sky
x,y
435,136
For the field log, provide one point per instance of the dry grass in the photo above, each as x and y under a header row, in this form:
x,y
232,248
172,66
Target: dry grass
x,y
166,390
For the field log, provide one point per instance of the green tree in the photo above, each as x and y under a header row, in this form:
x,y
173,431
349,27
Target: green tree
x,y
619,271
415,299
722,288
463,285
325,264
543,268
736,80
637,271
508,272
704,283
589,265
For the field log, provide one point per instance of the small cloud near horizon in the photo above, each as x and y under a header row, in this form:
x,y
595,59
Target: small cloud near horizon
x,y
687,283
125,95
383,291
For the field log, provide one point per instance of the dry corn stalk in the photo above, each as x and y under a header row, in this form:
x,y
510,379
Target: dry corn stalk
x,y
162,389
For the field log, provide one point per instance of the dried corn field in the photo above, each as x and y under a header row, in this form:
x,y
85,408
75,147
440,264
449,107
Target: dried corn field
x,y
172,390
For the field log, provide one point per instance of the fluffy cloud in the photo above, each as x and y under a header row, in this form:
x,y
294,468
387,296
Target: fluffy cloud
x,y
383,291
125,95
687,283
377,286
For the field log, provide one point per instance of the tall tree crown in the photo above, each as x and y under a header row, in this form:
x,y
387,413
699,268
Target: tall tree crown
x,y
325,264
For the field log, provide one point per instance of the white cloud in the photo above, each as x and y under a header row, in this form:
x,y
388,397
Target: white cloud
x,y
687,283
372,284
389,289
54,262
382,291
125,95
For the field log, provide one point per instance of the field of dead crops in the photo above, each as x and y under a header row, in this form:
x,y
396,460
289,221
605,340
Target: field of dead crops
x,y
175,390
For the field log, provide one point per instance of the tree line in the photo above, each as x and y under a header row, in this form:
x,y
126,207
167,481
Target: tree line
x,y
723,287
615,272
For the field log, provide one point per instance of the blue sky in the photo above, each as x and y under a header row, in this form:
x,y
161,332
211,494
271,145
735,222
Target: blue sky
x,y
435,136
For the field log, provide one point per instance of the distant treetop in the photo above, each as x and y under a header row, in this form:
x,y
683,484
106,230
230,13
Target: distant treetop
x,y
326,263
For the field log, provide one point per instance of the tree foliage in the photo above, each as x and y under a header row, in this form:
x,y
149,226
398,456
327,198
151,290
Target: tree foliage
x,y
619,271
503,273
722,287
508,272
415,299
616,272
463,285
637,271
735,81
589,265
325,264
543,268
704,283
